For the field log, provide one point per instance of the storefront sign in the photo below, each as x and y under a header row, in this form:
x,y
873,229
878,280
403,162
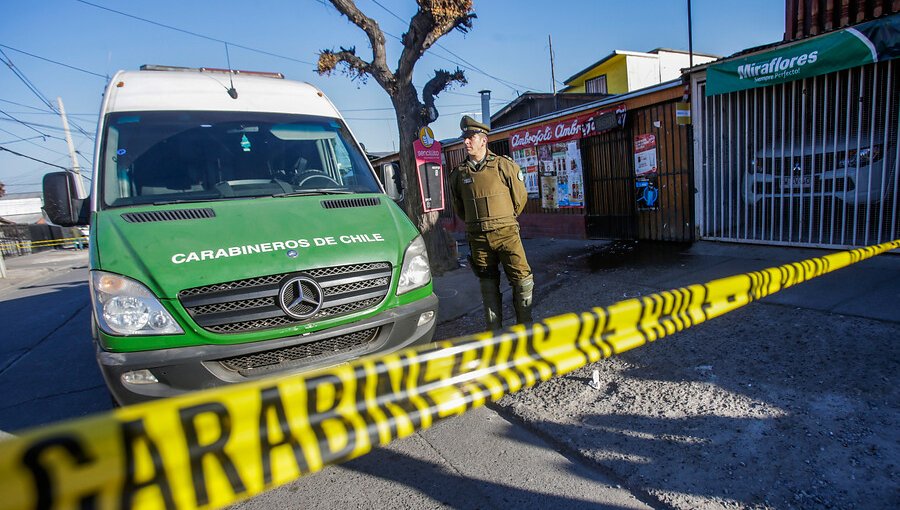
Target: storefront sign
x,y
587,124
874,41
551,160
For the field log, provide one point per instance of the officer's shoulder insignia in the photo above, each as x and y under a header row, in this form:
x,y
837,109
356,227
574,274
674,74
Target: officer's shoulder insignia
x,y
509,158
521,175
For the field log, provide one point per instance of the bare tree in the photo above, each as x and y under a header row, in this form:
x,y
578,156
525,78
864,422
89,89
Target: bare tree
x,y
434,19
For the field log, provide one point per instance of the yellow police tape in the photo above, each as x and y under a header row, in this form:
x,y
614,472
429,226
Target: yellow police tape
x,y
50,242
212,448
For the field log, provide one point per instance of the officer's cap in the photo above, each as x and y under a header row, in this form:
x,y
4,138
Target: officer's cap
x,y
470,126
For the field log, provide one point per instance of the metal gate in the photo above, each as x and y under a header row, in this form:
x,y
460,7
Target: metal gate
x,y
609,185
812,162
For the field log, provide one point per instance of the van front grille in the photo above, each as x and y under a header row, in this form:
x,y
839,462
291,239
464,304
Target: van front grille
x,y
252,304
280,358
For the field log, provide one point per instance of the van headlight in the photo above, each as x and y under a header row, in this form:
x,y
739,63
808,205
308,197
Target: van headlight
x,y
415,271
126,307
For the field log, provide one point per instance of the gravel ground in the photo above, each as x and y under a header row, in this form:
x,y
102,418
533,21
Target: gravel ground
x,y
768,407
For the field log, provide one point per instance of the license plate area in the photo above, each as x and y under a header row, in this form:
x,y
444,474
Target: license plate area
x,y
796,181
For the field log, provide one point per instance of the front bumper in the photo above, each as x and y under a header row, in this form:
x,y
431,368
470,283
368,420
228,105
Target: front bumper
x,y
867,184
184,369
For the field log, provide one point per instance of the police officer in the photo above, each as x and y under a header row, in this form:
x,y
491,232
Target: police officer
x,y
488,193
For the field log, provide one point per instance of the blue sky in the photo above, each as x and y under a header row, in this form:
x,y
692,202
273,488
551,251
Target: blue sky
x,y
507,52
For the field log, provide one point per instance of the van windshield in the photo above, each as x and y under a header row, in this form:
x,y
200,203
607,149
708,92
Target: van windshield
x,y
164,157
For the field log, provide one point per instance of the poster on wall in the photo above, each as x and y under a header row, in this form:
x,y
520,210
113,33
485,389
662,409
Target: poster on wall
x,y
574,176
644,154
646,171
547,171
527,160
550,157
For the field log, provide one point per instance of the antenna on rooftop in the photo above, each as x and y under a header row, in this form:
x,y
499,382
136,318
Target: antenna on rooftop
x,y
232,91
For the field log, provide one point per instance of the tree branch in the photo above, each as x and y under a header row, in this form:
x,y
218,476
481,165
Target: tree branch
x,y
434,19
441,81
378,68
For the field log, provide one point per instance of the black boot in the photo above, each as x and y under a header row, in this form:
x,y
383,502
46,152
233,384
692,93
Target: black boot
x,y
522,293
493,303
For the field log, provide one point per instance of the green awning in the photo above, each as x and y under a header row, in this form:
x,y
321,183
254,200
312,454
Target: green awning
x,y
873,41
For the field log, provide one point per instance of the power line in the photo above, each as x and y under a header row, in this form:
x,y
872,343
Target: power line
x,y
33,159
195,34
17,140
24,79
54,113
44,126
468,64
202,36
54,62
29,140
24,105
26,124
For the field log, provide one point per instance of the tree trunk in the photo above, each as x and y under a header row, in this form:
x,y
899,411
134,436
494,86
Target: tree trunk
x,y
437,241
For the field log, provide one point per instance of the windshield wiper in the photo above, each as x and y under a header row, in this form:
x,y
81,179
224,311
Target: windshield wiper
x,y
311,192
185,201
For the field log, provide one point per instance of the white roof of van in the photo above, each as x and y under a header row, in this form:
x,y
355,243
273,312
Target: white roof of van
x,y
196,90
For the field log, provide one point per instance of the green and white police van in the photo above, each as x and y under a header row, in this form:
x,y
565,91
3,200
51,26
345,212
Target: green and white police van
x,y
237,230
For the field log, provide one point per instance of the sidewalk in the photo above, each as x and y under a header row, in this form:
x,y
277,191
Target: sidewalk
x,y
459,292
23,269
869,289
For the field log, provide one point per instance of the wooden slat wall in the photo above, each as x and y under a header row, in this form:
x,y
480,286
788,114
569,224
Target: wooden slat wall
x,y
804,18
673,219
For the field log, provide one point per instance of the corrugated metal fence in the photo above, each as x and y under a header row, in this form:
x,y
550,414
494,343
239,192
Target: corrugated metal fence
x,y
810,163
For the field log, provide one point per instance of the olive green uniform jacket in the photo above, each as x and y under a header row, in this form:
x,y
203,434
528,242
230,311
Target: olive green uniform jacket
x,y
488,195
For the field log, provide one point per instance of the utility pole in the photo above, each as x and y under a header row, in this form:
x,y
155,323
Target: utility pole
x,y
690,35
79,185
552,70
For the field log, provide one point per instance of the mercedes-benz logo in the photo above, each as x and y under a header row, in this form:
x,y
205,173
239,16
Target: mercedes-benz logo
x,y
300,297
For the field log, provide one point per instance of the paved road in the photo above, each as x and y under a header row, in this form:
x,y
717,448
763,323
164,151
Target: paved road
x,y
47,367
479,460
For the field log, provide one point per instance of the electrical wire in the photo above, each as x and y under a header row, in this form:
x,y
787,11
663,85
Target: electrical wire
x,y
468,65
106,77
28,83
33,159
30,140
26,124
195,34
38,124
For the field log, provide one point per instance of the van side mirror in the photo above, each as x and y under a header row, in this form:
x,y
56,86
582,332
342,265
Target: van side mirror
x,y
392,181
60,202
